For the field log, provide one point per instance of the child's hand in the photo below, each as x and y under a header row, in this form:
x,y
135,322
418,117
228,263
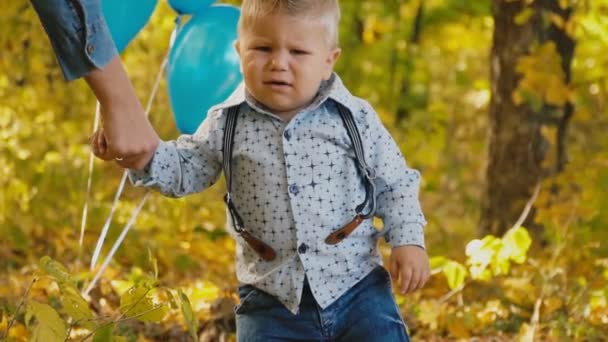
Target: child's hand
x,y
412,264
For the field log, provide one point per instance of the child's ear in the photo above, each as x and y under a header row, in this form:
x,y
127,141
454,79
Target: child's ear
x,y
331,60
237,47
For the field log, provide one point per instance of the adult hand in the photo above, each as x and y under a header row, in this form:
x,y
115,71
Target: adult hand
x,y
102,150
128,138
128,135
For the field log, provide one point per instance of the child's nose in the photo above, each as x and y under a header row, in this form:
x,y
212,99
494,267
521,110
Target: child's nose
x,y
278,61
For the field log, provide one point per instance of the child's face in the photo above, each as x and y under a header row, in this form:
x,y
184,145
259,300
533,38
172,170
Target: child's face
x,y
284,59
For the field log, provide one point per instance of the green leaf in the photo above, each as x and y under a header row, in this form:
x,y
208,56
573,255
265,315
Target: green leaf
x,y
154,263
76,307
104,334
172,301
121,286
482,254
500,265
56,270
480,272
137,302
189,316
517,241
44,323
17,236
455,274
437,262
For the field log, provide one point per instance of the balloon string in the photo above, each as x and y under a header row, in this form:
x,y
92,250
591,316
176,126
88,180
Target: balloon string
x,y
122,236
108,222
106,226
83,222
157,83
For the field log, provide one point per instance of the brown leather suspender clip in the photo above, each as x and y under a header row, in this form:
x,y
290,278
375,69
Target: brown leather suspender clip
x,y
344,232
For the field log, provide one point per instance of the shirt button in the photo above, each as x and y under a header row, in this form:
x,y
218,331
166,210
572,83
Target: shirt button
x,y
287,134
302,249
90,48
294,189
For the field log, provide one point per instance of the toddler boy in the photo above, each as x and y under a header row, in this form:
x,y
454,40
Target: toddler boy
x,y
307,166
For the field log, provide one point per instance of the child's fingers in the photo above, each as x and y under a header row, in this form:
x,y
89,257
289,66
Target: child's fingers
x,y
416,282
406,278
394,270
424,276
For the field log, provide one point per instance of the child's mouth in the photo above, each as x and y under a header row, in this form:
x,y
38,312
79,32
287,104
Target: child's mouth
x,y
277,84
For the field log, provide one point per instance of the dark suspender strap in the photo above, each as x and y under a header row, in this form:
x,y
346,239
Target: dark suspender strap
x,y
229,130
266,252
368,172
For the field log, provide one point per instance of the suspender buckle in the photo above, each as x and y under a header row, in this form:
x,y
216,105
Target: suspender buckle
x,y
369,172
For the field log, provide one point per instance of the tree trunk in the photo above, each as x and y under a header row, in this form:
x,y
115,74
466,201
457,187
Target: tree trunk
x,y
516,146
404,103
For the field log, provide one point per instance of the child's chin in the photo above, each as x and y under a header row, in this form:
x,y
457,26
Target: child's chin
x,y
280,106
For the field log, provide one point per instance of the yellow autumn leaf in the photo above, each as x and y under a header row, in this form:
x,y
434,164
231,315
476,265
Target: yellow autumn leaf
x,y
523,16
137,302
517,241
557,93
369,30
428,313
455,274
189,315
76,307
44,323
557,20
551,304
458,329
517,98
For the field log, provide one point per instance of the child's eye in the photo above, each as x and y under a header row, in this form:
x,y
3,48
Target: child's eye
x,y
299,52
262,48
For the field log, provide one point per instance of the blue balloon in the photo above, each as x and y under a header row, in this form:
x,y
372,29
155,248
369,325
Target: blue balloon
x,y
203,67
126,18
190,6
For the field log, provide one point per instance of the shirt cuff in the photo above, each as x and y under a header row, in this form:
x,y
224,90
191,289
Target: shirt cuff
x,y
146,176
409,234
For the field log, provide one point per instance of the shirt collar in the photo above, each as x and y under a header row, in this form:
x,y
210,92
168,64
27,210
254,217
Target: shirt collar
x,y
333,89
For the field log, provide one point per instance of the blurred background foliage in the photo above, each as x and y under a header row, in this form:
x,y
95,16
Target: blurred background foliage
x,y
426,67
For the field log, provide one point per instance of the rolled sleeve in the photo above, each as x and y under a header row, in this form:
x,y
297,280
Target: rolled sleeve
x,y
78,33
397,186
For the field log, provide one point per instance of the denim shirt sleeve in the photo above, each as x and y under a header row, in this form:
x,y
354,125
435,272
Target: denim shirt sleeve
x,y
78,33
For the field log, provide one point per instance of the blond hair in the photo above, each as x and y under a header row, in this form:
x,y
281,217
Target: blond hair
x,y
326,11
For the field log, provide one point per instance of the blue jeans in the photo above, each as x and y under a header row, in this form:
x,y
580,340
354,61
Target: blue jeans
x,y
366,312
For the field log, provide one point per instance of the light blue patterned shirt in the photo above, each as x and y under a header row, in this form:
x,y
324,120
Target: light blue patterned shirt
x,y
294,183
